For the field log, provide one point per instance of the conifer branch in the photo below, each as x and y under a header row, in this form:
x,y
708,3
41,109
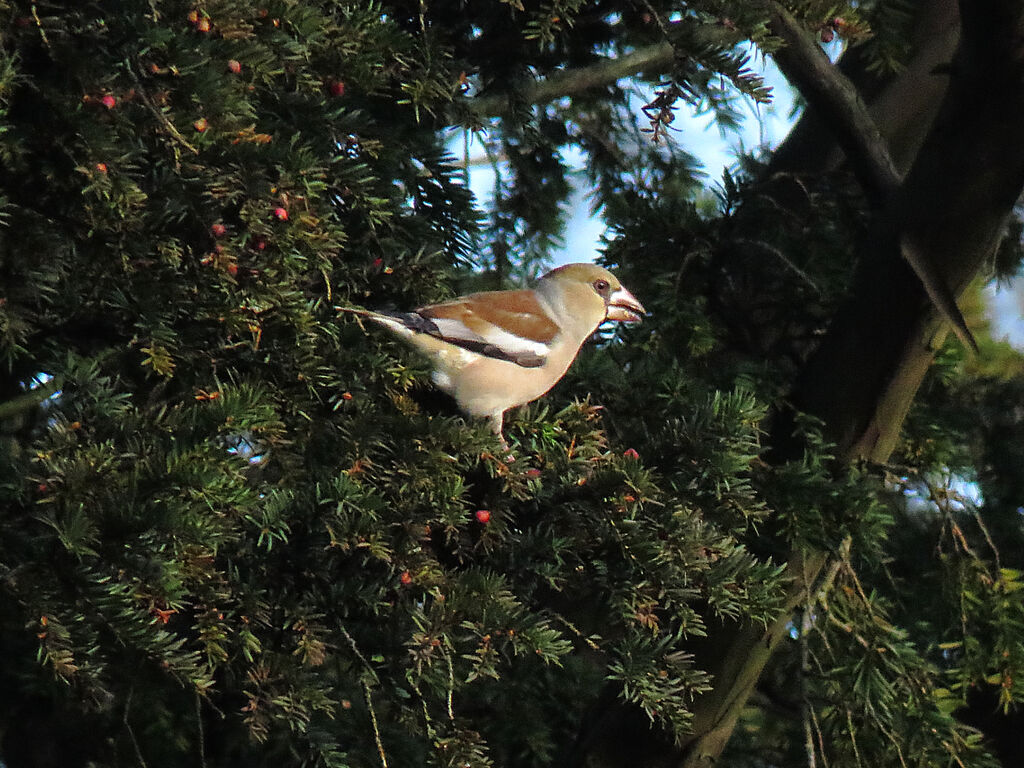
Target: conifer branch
x,y
31,399
159,115
656,57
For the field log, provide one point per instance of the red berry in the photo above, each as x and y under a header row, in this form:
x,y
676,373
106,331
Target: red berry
x,y
218,230
234,67
101,167
201,124
232,269
405,578
337,87
533,472
483,516
281,213
261,245
108,101
630,453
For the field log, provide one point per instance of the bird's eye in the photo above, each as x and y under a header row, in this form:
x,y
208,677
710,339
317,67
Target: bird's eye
x,y
601,286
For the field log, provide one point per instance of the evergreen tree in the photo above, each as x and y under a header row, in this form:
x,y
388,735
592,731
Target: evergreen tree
x,y
237,528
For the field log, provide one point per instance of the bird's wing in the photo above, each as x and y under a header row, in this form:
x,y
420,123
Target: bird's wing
x,y
505,325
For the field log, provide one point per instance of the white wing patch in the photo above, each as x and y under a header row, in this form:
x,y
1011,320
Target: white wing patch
x,y
507,343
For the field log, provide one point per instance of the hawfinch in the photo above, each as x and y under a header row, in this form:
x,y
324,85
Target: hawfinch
x,y
495,350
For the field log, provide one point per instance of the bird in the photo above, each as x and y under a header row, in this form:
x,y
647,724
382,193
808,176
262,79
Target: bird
x,y
495,350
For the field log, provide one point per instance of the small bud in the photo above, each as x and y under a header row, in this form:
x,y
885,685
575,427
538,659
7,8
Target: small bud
x,y
281,214
405,578
203,25
201,124
108,101
483,516
101,167
630,453
234,66
218,230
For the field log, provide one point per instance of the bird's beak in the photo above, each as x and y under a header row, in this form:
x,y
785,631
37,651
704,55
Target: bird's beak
x,y
623,307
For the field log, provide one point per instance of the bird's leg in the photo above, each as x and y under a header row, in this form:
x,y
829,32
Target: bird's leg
x,y
497,422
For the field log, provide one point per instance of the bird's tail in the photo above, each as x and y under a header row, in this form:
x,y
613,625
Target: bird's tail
x,y
403,323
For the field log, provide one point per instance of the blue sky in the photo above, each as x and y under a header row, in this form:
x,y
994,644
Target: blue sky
x,y
698,134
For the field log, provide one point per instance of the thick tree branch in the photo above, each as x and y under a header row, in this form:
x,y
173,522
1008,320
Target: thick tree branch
x,y
902,104
953,205
861,381
654,58
837,100
833,96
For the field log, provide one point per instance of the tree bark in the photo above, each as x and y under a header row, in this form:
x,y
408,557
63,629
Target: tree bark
x,y
950,209
902,104
952,205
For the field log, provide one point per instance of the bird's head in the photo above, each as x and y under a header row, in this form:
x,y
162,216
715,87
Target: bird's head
x,y
590,294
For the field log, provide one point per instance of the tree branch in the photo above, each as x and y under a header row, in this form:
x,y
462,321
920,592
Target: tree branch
x,y
837,100
29,400
654,58
902,104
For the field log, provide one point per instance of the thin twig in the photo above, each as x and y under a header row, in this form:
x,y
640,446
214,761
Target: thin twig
x,y
39,24
783,258
368,695
128,727
451,686
821,738
376,728
805,702
988,538
202,735
158,113
853,736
